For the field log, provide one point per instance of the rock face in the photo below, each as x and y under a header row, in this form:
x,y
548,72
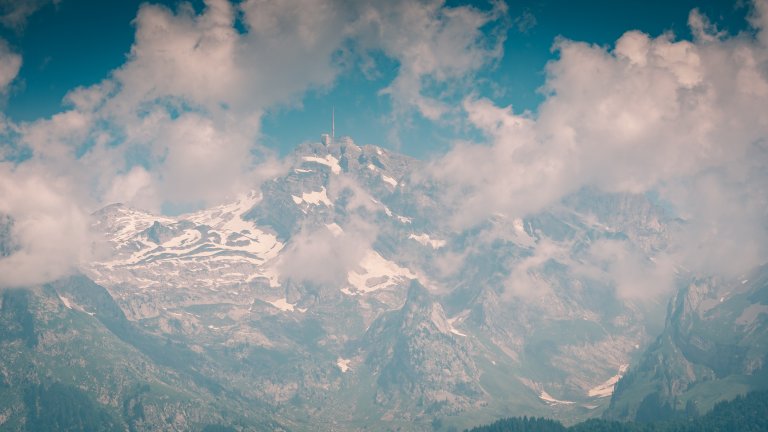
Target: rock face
x,y
418,360
714,347
340,295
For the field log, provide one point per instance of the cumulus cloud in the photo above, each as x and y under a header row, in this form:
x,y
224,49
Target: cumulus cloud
x,y
49,231
177,125
179,122
433,44
682,118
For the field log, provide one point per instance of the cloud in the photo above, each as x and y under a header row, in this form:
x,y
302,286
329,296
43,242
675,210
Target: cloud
x,y
702,28
434,44
759,20
182,60
133,186
321,256
178,123
525,22
324,255
49,230
10,64
177,126
14,13
725,229
682,118
526,278
633,275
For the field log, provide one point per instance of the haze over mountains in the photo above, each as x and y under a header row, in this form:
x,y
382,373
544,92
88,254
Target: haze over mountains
x,y
161,268
270,307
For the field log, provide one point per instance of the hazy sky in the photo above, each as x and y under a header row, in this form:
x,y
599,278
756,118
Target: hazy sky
x,y
170,107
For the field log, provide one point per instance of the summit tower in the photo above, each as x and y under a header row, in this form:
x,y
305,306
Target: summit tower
x,y
325,138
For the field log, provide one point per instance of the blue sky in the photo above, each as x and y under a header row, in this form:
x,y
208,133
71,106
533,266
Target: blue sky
x,y
79,42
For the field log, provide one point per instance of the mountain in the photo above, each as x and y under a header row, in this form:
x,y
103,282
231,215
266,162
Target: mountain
x,y
72,361
419,362
339,296
713,348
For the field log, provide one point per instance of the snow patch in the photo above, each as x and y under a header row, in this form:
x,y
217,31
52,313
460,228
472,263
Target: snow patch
x,y
546,397
376,273
518,225
188,237
427,241
316,198
130,222
65,301
606,389
328,161
402,219
343,364
522,235
443,324
389,180
335,229
284,306
227,217
452,321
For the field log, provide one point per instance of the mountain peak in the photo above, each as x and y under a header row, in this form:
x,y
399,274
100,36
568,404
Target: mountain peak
x,y
418,294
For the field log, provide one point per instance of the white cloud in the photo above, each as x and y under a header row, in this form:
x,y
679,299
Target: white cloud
x,y
324,256
179,122
181,55
633,275
10,64
186,106
702,28
433,44
321,256
49,228
199,160
57,139
683,118
759,20
526,279
134,186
